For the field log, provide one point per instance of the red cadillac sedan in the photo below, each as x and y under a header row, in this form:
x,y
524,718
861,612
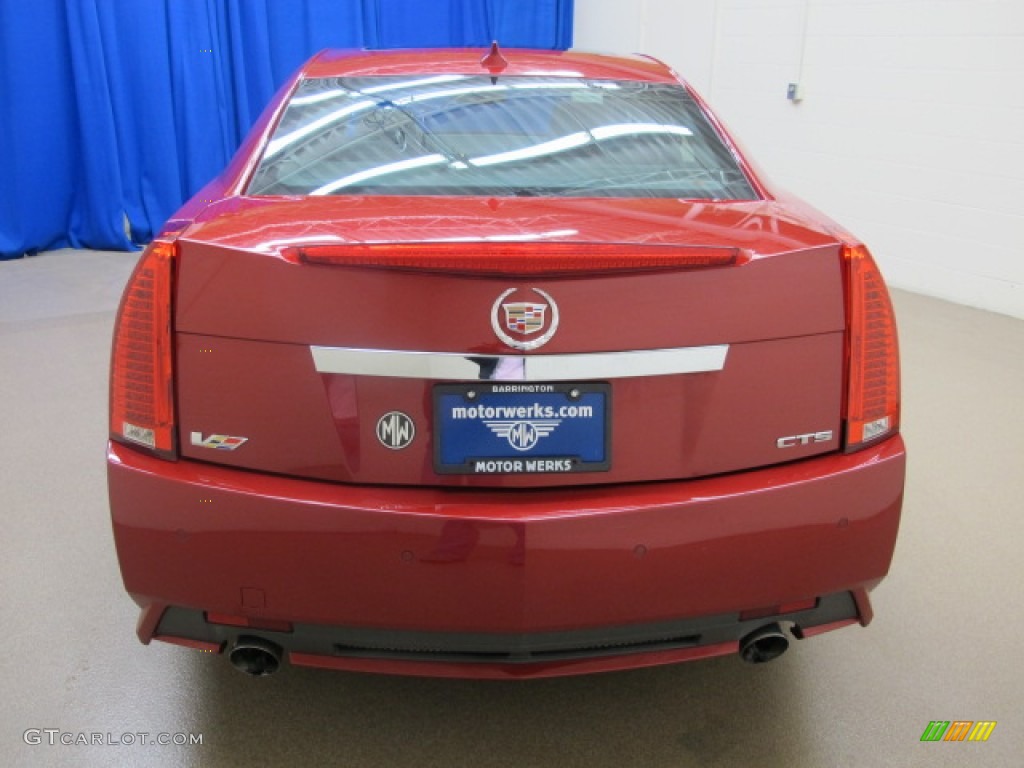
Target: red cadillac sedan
x,y
500,364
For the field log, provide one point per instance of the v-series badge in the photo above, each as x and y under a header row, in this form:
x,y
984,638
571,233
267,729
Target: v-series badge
x,y
220,442
811,437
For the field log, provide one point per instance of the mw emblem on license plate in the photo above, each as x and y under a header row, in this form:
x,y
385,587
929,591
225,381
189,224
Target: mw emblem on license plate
x,y
523,435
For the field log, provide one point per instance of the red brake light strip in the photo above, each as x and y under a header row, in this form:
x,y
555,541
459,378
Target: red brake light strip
x,y
526,258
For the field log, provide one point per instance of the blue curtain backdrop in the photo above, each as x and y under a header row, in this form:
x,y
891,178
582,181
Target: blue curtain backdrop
x,y
114,108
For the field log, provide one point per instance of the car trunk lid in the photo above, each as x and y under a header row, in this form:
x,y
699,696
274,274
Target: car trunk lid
x,y
391,373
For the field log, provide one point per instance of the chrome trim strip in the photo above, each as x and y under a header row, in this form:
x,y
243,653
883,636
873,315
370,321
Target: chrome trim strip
x,y
409,364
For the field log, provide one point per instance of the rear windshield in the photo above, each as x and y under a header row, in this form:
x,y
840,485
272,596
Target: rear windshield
x,y
470,135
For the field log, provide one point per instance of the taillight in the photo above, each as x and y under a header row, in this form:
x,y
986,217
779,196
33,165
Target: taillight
x,y
528,258
872,407
141,371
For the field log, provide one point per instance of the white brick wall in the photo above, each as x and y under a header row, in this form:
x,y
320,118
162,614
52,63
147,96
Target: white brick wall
x,y
911,132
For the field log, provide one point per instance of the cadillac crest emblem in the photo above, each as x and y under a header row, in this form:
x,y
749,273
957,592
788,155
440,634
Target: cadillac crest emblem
x,y
515,321
524,317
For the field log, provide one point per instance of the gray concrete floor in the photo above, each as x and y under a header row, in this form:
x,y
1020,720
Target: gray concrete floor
x,y
942,647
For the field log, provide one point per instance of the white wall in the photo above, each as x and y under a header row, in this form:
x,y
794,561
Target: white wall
x,y
910,134
679,33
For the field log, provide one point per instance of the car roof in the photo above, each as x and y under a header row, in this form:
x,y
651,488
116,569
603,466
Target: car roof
x,y
467,61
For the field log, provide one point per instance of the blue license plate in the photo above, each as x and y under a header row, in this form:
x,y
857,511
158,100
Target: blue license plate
x,y
504,428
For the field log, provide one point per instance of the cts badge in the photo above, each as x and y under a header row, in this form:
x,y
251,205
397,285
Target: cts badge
x,y
515,322
395,430
806,439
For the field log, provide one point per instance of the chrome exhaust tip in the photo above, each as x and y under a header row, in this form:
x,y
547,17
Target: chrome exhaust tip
x,y
255,656
764,644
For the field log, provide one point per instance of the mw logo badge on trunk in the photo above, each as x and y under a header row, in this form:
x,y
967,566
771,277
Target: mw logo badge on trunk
x,y
395,430
515,321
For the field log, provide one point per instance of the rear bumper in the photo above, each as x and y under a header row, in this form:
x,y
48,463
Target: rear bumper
x,y
506,583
